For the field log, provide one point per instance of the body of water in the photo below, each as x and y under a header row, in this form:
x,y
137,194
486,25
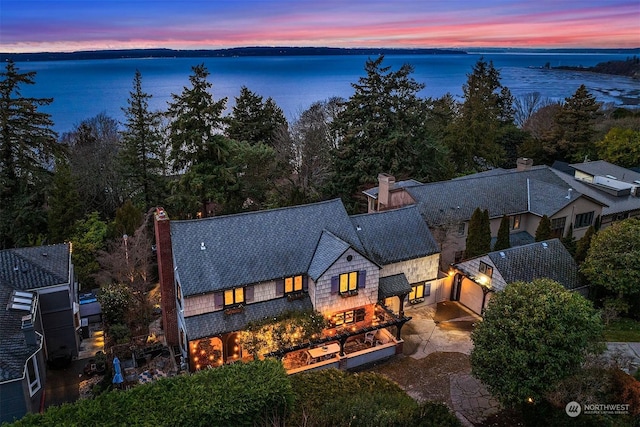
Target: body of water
x,y
83,89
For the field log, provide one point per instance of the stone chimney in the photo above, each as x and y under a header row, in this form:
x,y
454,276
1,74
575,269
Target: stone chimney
x,y
386,183
28,330
524,164
167,279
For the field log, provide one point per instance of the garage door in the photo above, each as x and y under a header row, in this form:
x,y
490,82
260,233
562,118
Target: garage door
x,y
471,295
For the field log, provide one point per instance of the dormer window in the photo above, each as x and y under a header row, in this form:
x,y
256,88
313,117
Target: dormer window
x,y
293,284
349,282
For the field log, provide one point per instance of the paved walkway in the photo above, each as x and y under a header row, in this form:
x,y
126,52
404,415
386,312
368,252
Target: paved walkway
x,y
626,355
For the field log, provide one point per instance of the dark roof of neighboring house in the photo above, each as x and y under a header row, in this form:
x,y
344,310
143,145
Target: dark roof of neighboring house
x,y
373,192
217,322
603,168
35,267
255,247
25,269
392,286
395,235
509,192
517,239
541,259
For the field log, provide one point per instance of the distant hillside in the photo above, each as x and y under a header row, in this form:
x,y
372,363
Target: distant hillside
x,y
239,51
630,68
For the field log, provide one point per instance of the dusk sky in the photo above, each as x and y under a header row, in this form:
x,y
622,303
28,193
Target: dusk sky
x,y
56,25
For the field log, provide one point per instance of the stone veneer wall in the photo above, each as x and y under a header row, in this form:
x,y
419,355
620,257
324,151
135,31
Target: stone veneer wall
x,y
327,303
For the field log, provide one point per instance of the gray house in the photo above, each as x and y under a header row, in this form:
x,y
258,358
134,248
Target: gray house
x,y
39,321
219,275
476,279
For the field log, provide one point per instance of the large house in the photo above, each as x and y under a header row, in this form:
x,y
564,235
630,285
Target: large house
x,y
524,194
39,321
219,275
475,280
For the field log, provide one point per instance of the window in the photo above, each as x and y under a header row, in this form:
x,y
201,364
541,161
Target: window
x,y
233,297
348,282
557,226
179,294
584,219
350,316
461,228
485,269
515,222
292,284
458,256
33,376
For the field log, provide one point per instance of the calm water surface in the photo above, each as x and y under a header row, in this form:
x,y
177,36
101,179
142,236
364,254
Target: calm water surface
x,y
83,89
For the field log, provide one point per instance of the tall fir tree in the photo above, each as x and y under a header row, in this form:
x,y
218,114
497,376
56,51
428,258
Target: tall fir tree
x,y
479,235
28,147
569,241
139,155
502,242
583,245
543,232
64,204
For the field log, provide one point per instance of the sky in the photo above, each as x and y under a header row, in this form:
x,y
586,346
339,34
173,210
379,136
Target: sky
x,y
72,25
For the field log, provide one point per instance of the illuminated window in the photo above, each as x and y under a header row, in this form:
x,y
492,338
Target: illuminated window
x,y
485,269
233,297
348,282
515,222
179,294
417,292
350,316
33,376
292,284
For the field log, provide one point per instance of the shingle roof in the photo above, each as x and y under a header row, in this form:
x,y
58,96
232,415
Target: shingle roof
x,y
254,247
509,192
328,250
373,192
395,235
533,261
603,168
217,322
392,286
517,239
25,269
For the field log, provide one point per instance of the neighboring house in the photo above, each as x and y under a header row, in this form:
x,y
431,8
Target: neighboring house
x,y
476,279
219,274
39,321
524,194
616,187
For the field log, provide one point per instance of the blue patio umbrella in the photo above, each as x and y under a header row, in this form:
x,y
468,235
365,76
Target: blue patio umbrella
x,y
117,378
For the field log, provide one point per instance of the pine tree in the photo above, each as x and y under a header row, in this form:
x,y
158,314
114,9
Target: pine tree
x,y
502,242
582,247
139,155
64,204
543,232
569,241
28,147
479,235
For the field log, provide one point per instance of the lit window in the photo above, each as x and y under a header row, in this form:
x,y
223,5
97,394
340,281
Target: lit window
x,y
33,376
348,282
515,222
179,294
233,297
417,292
292,284
584,219
485,269
350,316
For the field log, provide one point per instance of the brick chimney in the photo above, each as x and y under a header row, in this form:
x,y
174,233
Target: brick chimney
x,y
386,183
166,276
524,164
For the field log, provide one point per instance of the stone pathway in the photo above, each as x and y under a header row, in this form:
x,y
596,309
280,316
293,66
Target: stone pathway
x,y
471,399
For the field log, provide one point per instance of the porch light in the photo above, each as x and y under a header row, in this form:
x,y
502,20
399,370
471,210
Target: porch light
x,y
197,366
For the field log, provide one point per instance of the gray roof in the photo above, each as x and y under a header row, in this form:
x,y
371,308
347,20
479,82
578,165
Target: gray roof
x,y
25,269
509,192
255,247
328,250
614,204
392,286
603,168
217,322
517,239
373,192
541,259
395,235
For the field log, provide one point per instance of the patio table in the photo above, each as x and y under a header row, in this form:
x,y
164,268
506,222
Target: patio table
x,y
324,352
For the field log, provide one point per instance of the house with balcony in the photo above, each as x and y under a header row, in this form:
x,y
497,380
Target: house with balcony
x,y
524,194
475,280
223,275
39,322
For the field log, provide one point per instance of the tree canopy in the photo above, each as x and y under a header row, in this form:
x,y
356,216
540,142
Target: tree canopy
x,y
503,242
479,235
532,336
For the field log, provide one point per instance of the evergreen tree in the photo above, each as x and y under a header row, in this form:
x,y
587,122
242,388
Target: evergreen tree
x,y
64,204
139,155
475,137
502,241
128,219
28,147
569,241
381,128
582,247
254,120
543,232
479,235
198,148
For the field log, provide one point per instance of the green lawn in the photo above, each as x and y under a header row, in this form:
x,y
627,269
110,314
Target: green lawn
x,y
623,330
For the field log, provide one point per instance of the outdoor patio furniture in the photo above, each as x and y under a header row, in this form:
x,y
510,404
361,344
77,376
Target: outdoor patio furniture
x,y
369,338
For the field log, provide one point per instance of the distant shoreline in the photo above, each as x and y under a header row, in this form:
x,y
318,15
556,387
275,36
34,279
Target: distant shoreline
x,y
278,51
219,53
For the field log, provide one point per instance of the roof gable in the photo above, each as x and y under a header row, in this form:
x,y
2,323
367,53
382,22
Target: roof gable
x,y
328,250
35,267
